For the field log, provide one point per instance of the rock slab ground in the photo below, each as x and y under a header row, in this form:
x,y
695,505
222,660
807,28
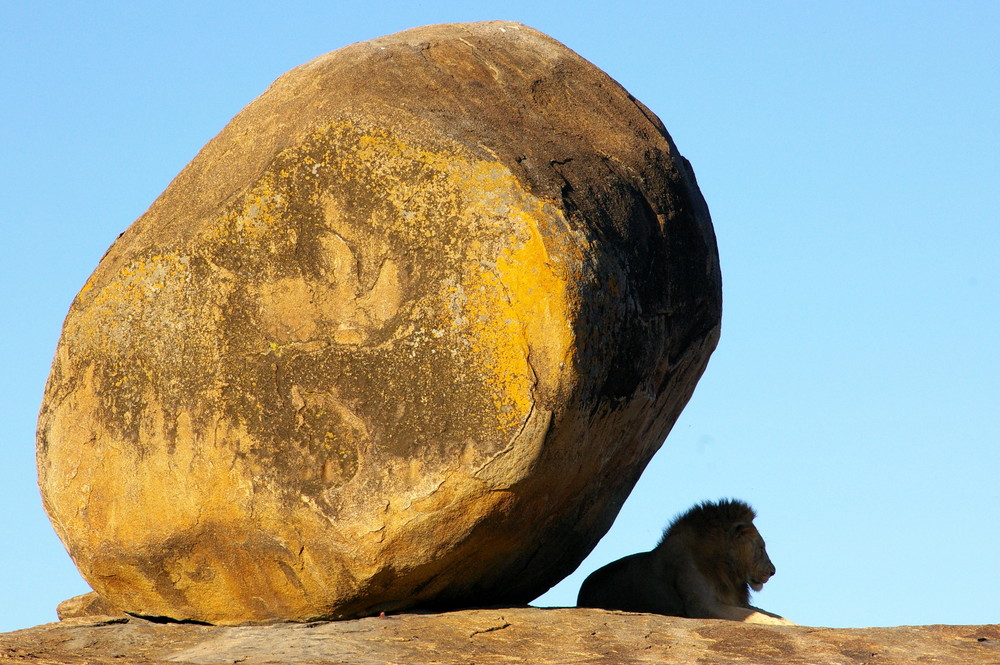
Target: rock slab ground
x,y
507,635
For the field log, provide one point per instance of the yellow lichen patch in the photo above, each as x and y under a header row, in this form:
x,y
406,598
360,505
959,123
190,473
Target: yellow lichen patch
x,y
519,312
391,152
259,216
110,318
260,212
498,344
541,298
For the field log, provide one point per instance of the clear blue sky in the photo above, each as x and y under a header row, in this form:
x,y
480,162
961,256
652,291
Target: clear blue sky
x,y
849,152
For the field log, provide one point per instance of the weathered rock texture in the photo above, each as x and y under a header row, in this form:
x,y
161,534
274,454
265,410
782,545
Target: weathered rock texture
x,y
502,636
405,333
86,605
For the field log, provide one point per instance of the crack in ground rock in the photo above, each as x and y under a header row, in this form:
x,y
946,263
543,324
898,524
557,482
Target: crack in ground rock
x,y
491,629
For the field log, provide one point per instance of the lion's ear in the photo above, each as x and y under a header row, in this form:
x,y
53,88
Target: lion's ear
x,y
740,529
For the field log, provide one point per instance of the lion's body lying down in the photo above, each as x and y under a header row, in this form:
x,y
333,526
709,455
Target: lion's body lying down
x,y
704,567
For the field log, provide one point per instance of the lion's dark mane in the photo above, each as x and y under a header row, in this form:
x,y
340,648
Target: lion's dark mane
x,y
709,516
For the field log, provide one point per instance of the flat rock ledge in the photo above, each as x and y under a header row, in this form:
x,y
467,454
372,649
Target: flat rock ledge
x,y
503,635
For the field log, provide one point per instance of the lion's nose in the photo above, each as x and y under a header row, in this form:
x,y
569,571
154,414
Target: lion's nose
x,y
773,570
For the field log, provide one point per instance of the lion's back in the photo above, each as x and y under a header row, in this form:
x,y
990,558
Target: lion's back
x,y
631,584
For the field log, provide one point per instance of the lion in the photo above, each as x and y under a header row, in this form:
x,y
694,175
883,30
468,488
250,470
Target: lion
x,y
703,568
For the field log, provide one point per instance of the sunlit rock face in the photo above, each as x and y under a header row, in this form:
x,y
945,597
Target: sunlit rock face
x,y
404,334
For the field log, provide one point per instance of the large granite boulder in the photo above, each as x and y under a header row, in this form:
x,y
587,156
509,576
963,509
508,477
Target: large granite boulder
x,y
404,334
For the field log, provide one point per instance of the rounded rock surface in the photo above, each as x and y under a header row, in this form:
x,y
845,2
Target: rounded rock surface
x,y
405,333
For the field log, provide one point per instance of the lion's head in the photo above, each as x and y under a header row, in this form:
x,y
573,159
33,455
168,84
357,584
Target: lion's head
x,y
750,556
726,546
